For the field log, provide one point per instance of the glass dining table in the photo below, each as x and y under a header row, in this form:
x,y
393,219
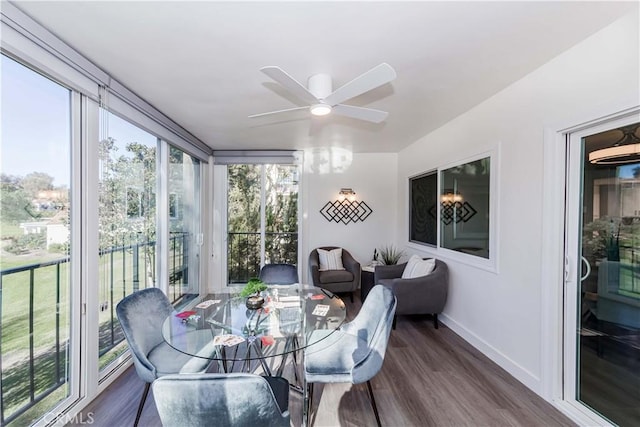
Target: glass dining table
x,y
221,327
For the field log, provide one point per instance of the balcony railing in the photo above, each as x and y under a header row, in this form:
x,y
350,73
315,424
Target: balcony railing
x,y
33,370
243,252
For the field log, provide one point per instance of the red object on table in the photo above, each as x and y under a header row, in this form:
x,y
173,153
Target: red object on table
x,y
185,314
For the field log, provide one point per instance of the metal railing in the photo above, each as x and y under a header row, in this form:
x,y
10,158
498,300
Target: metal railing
x,y
45,366
243,252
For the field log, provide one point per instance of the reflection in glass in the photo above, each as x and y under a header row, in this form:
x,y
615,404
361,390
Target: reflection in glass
x,y
609,323
464,208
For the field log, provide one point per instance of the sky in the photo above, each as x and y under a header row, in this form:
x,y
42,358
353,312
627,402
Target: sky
x,y
36,125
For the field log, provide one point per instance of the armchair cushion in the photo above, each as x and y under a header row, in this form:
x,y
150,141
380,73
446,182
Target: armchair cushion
x,y
330,260
336,276
418,267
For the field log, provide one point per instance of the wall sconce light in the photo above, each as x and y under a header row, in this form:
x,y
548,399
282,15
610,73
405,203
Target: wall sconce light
x,y
454,209
346,208
347,194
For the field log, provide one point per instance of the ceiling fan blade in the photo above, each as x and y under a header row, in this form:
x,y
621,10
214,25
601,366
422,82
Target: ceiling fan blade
x,y
277,111
368,114
377,76
289,83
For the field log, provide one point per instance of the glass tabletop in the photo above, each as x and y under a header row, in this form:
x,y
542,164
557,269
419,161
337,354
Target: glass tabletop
x,y
220,324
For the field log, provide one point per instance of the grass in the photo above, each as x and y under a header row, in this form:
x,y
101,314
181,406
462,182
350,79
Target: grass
x,y
116,268
31,317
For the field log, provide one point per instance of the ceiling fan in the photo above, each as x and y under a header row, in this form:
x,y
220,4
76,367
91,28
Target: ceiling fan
x,y
323,100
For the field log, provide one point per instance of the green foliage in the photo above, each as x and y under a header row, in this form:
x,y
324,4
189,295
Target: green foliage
x,y
127,176
281,218
13,200
26,243
253,286
389,255
35,182
59,248
604,237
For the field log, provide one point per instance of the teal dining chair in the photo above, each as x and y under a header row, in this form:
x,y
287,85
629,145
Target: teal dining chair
x,y
279,274
141,316
222,400
354,353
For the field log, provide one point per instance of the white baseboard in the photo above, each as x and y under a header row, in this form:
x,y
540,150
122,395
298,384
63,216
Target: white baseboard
x,y
521,374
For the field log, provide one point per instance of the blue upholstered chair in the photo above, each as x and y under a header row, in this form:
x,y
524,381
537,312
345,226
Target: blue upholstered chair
x,y
284,274
236,399
355,352
141,316
279,274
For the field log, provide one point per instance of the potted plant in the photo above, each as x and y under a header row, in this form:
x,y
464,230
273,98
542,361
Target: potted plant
x,y
251,291
389,255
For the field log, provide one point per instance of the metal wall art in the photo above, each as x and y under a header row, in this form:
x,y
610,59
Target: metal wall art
x,y
346,208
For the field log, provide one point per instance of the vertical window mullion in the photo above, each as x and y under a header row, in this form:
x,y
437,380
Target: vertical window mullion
x,y
263,214
162,213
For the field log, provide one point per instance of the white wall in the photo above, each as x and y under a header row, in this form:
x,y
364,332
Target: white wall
x,y
373,176
501,312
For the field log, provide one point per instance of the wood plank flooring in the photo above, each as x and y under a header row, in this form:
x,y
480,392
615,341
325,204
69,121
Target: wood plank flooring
x,y
430,377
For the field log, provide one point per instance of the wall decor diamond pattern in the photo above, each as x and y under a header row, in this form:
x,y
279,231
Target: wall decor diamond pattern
x,y
346,211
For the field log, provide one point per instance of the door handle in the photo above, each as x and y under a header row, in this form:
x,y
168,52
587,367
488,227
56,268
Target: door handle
x,y
588,272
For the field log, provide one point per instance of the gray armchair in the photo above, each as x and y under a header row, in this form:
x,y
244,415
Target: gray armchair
x,y
420,295
347,280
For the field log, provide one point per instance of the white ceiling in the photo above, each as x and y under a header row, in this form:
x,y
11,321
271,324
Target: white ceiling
x,y
198,62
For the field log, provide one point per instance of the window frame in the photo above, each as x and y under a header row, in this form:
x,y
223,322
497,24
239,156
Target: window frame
x,y
412,179
490,264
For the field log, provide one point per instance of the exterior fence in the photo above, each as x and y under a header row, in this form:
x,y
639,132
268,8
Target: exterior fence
x,y
42,368
243,253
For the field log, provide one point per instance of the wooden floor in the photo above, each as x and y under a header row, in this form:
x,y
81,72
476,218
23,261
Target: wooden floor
x,y
430,377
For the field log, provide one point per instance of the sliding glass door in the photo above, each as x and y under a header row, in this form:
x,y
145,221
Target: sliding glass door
x,y
38,274
262,218
603,235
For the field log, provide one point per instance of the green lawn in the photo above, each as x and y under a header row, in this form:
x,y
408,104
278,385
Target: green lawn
x,y
19,304
47,282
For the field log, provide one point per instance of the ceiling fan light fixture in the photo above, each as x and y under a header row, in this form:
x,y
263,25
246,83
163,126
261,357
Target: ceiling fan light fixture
x,y
621,154
623,151
320,109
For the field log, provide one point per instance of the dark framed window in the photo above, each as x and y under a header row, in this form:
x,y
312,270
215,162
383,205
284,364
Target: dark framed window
x,y
423,209
465,201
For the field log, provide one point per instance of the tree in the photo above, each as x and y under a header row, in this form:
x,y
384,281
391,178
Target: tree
x,y
243,212
36,182
124,175
13,200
